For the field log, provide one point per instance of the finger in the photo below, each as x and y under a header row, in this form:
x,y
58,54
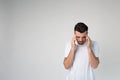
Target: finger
x,y
74,36
87,37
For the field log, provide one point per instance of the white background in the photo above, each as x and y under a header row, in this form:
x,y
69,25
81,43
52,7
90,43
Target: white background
x,y
33,34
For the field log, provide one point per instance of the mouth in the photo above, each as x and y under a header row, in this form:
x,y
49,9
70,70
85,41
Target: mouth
x,y
81,42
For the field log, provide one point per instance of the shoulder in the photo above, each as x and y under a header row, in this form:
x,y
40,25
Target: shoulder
x,y
96,48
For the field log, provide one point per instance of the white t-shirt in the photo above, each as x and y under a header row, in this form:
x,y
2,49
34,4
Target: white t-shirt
x,y
81,68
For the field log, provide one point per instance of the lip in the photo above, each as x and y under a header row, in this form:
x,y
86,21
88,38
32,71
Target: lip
x,y
80,41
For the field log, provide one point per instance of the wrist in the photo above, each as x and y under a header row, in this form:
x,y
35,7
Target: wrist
x,y
73,48
89,48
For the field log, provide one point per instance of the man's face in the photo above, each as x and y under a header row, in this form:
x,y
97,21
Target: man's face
x,y
81,37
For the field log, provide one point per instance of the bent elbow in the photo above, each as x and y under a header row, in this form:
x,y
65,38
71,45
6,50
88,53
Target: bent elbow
x,y
95,66
66,66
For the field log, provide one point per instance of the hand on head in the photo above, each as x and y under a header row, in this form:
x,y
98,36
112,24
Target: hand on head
x,y
88,40
73,41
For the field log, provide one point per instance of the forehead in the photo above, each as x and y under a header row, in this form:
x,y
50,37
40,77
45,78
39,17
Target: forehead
x,y
80,34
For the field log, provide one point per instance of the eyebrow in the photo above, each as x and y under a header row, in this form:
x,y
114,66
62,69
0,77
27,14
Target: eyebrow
x,y
79,36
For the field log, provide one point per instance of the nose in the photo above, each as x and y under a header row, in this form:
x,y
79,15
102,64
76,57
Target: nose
x,y
81,39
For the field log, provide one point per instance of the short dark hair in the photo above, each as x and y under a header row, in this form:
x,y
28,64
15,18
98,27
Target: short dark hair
x,y
81,27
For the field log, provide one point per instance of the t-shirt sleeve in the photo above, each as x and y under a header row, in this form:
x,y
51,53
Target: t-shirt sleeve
x,y
96,49
67,49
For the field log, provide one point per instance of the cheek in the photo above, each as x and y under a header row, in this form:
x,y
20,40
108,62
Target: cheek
x,y
81,39
84,39
78,39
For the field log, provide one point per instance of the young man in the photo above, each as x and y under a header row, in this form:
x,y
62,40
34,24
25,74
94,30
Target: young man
x,y
81,55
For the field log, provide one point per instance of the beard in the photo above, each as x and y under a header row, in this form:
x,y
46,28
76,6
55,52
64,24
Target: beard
x,y
81,42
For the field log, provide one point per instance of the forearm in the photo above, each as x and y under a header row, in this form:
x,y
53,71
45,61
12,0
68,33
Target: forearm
x,y
94,61
68,61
